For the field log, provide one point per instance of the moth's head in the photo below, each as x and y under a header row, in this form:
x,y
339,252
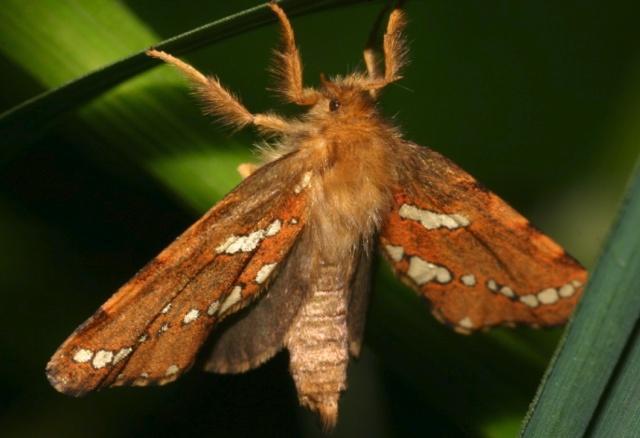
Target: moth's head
x,y
343,97
356,94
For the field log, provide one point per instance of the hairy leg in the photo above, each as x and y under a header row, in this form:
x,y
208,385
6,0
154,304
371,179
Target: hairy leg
x,y
220,102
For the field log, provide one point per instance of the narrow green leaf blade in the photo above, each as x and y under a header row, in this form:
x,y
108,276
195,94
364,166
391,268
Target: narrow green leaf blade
x,y
595,340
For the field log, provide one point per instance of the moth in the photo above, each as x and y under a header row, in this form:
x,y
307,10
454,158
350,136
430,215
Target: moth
x,y
289,250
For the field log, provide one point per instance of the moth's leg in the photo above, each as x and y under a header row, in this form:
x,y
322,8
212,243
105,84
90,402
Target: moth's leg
x,y
246,169
220,102
287,67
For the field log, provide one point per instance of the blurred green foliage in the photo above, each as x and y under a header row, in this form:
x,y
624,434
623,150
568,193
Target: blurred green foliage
x,y
539,100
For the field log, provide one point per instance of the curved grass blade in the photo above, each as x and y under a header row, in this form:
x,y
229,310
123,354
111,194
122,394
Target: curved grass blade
x,y
26,119
594,342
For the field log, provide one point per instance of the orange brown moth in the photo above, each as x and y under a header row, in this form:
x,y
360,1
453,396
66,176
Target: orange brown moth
x,y
293,244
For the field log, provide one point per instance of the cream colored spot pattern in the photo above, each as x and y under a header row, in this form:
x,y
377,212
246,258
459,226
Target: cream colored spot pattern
x,y
173,369
422,272
250,242
102,359
191,316
395,252
232,299
507,292
468,280
245,243
83,355
431,220
530,300
466,323
273,228
213,308
121,354
567,290
548,296
223,246
264,272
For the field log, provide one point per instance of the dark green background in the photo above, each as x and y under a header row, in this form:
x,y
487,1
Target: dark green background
x,y
539,100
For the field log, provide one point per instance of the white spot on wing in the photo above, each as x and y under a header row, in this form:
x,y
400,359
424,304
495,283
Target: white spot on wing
x,y
191,316
431,220
395,252
83,355
530,300
245,243
468,280
248,243
274,228
142,338
213,308
492,285
294,221
166,308
548,296
507,292
264,272
121,354
173,369
422,271
466,323
232,299
164,328
222,247
567,290
576,283
102,359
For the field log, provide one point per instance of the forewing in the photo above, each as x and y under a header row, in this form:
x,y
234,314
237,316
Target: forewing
x,y
478,261
149,331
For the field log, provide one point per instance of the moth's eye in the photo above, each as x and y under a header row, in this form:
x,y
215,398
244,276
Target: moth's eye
x,y
334,105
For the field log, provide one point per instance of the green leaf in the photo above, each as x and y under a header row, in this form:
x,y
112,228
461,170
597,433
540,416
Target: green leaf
x,y
591,379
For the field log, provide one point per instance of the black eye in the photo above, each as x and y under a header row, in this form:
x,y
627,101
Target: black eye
x,y
334,105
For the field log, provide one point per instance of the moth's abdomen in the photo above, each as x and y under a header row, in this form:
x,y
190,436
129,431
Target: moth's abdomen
x,y
318,345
